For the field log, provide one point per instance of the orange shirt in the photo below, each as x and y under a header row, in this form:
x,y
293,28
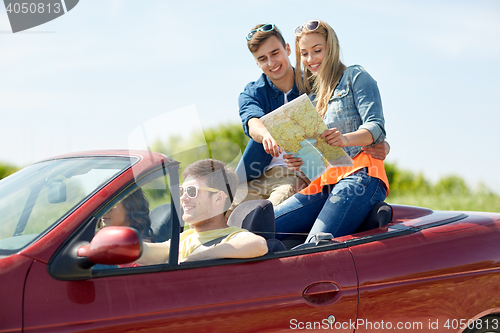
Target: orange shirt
x,y
333,175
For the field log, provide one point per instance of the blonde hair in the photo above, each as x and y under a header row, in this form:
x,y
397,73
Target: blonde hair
x,y
323,82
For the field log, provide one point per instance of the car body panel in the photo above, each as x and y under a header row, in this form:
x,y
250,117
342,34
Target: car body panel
x,y
264,294
424,266
438,268
13,272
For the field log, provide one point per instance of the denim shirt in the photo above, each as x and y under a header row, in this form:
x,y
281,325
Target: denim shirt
x,y
261,97
356,104
258,99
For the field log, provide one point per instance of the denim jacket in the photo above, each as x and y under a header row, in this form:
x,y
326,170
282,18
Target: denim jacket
x,y
258,99
356,104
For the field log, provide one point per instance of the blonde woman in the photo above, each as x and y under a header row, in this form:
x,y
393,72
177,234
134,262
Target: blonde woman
x,y
348,100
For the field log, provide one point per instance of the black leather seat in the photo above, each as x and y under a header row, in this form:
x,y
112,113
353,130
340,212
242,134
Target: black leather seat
x,y
161,222
257,216
380,215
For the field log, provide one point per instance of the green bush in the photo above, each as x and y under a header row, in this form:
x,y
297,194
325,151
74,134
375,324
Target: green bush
x,y
451,185
7,170
408,188
225,142
403,181
449,193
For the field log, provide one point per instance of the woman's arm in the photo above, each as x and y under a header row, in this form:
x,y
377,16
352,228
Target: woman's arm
x,y
361,137
369,105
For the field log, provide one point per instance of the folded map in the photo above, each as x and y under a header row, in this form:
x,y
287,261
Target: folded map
x,y
297,128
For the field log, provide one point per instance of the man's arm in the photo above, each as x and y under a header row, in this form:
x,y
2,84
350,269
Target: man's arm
x,y
378,151
260,134
154,253
247,245
251,109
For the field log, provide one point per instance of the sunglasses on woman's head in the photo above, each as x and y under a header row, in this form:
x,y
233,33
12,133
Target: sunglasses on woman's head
x,y
192,190
265,28
310,26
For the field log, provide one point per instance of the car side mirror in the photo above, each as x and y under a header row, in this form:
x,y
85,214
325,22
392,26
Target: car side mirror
x,y
56,192
113,246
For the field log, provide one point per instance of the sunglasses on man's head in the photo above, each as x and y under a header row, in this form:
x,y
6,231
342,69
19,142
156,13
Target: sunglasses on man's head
x,y
265,28
192,190
310,26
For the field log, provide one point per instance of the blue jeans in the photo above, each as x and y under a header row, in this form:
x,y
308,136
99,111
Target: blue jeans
x,y
338,209
253,163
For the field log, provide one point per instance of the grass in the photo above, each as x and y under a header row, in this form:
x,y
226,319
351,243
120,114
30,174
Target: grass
x,y
484,202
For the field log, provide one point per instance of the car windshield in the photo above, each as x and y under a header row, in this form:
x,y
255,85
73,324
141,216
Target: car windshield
x,y
35,199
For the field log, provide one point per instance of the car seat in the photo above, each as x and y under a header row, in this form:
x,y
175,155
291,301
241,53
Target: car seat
x,y
161,222
257,216
380,215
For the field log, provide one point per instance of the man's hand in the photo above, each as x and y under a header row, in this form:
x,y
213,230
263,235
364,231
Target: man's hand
x,y
270,145
260,134
293,163
378,151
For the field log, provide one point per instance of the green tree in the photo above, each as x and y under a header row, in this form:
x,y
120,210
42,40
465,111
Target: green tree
x,y
227,133
224,142
227,141
404,181
7,169
451,185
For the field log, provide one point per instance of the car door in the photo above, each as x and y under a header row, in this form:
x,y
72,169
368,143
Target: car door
x,y
269,294
311,288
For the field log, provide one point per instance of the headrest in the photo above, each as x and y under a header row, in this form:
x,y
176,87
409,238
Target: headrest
x,y
380,215
160,222
256,216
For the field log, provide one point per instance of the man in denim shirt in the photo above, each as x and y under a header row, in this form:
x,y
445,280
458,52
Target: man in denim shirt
x,y
262,168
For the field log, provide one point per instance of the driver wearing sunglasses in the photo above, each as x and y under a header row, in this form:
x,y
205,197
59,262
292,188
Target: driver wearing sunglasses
x,y
205,196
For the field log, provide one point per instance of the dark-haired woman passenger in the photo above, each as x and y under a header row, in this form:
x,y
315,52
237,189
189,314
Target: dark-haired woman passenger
x,y
133,211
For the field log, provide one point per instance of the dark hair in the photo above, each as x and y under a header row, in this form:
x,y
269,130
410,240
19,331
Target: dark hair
x,y
137,207
225,180
261,36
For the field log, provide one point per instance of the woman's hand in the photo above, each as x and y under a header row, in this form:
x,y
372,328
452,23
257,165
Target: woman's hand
x,y
293,163
334,138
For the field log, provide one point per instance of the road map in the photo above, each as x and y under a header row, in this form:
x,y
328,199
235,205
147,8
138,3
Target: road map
x,y
297,128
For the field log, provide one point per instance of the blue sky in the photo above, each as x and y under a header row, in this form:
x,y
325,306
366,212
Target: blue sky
x,y
90,78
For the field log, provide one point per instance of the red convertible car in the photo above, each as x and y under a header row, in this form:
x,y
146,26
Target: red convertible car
x,y
412,269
